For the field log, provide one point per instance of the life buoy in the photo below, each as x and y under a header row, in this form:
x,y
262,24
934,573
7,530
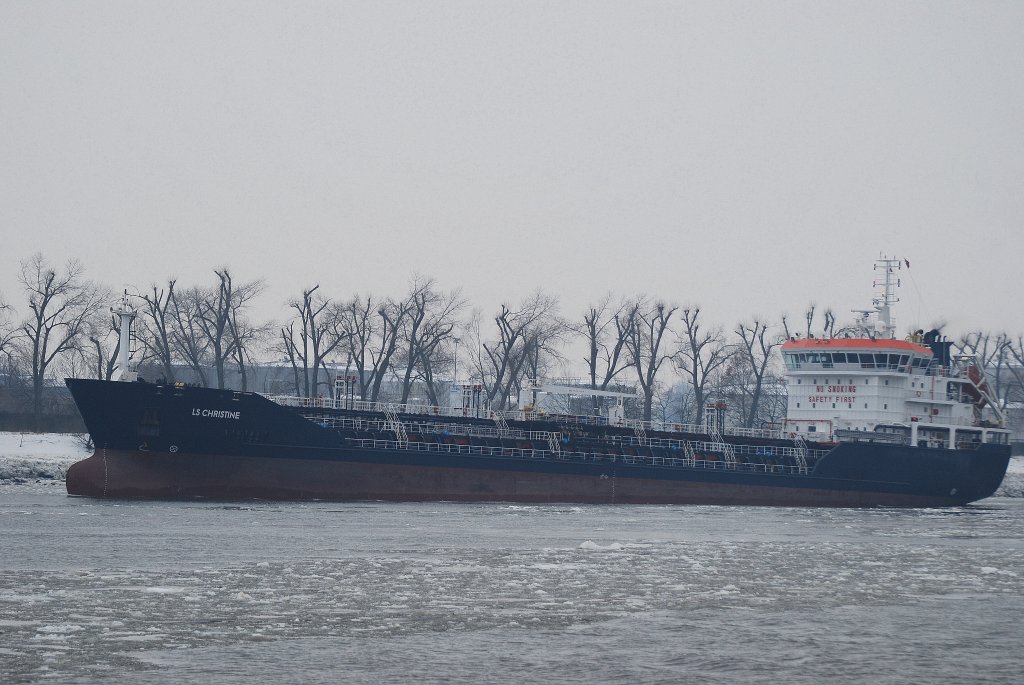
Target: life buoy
x,y
918,393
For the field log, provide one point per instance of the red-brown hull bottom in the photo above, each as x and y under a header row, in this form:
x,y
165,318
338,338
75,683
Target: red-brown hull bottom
x,y
115,473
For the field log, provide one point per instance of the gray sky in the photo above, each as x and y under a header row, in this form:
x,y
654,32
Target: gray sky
x,y
751,157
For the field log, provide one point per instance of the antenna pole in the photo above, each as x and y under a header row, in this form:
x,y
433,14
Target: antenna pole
x,y
127,314
887,298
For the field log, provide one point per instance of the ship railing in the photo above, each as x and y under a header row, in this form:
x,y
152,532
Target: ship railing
x,y
688,447
735,431
639,427
756,450
350,404
415,426
574,419
597,457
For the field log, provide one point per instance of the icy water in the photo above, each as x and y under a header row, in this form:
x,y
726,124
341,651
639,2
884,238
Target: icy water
x,y
210,592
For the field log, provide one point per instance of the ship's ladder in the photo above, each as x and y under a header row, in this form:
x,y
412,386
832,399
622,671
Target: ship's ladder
x,y
555,442
395,424
691,458
502,424
638,428
727,450
800,452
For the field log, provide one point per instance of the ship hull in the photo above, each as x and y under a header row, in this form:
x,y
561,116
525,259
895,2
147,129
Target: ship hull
x,y
120,474
163,442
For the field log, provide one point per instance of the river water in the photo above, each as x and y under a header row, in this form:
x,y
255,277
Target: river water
x,y
155,592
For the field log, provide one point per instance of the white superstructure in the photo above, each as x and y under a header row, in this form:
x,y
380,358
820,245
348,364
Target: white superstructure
x,y
875,386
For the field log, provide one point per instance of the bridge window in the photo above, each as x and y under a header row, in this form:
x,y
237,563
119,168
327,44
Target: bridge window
x,y
839,357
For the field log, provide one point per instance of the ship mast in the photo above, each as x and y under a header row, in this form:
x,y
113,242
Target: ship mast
x,y
883,300
127,313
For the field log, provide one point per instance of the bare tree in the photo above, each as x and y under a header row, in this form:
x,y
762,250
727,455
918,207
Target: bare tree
x,y
318,336
673,402
525,338
607,330
774,399
60,304
734,383
701,353
104,336
992,353
644,343
220,313
8,331
754,350
392,318
288,346
1016,351
156,326
246,335
438,356
432,316
356,319
828,325
372,330
190,342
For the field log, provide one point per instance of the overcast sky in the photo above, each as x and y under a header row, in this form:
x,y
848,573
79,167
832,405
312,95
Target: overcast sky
x,y
751,157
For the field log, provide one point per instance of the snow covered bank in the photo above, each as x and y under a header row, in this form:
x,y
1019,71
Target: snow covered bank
x,y
38,456
1013,482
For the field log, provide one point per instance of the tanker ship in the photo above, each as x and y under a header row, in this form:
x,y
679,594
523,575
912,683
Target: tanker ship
x,y
872,420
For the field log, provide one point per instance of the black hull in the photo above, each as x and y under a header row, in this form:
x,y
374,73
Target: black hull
x,y
161,441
